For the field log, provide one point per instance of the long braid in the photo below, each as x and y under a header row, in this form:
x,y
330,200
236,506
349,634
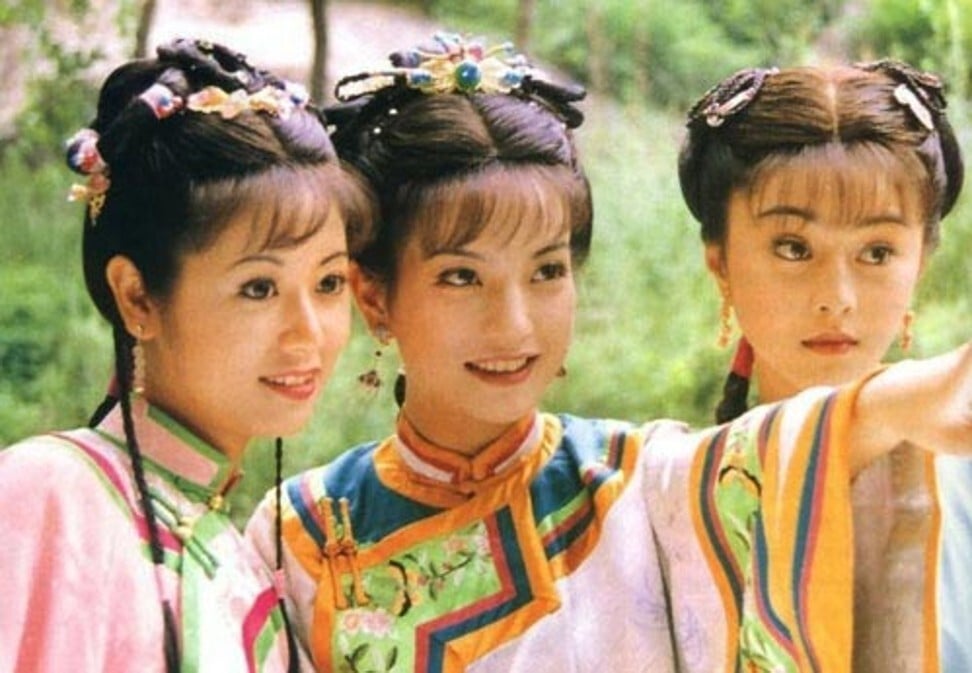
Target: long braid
x,y
735,391
124,367
165,177
292,664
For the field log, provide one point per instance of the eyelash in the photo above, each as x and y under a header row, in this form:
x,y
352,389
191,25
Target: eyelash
x,y
261,289
886,253
463,277
790,243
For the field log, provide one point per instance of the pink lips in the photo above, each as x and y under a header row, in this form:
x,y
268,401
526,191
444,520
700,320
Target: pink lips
x,y
504,371
296,385
836,343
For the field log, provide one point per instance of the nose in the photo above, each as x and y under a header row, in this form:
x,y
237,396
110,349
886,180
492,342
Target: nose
x,y
303,327
835,292
508,313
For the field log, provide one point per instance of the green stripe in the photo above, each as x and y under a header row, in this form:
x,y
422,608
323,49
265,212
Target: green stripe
x,y
554,519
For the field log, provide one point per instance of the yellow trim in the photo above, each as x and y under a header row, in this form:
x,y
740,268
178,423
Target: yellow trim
x,y
829,592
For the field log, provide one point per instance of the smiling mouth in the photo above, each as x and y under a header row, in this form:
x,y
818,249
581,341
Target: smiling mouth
x,y
502,366
294,386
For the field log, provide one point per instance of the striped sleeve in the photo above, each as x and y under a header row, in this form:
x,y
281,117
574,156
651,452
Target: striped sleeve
x,y
763,549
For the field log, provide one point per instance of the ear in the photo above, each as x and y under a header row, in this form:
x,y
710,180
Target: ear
x,y
715,262
371,295
138,311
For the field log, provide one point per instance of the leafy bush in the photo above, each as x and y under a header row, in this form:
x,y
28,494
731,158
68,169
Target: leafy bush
x,y
934,35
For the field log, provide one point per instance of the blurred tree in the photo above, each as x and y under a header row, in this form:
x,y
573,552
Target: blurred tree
x,y
525,10
932,34
146,16
318,73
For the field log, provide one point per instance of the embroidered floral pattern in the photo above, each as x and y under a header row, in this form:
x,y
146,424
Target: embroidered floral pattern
x,y
436,577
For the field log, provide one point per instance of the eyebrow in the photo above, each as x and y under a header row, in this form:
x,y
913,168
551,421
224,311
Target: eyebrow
x,y
273,259
810,216
463,252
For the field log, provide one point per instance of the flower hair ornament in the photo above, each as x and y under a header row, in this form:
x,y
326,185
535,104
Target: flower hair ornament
x,y
453,64
730,96
239,88
920,92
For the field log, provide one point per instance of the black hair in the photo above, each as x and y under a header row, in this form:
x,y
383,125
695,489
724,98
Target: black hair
x,y
464,156
875,118
171,178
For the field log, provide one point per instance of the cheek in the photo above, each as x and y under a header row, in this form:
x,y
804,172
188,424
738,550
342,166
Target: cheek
x,y
557,315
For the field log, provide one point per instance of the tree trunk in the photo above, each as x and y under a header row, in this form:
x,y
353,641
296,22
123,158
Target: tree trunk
x,y
524,24
145,18
318,73
597,74
642,61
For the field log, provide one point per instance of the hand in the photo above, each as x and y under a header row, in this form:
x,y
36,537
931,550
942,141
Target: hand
x,y
925,402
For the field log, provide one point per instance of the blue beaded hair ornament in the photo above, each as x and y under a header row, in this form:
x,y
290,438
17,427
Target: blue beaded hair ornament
x,y
451,65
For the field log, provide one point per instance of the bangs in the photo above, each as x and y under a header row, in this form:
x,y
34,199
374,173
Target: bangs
x,y
453,213
854,177
284,205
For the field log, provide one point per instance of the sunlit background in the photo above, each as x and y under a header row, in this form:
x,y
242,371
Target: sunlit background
x,y
648,316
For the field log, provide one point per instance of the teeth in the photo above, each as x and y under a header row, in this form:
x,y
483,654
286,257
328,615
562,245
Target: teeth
x,y
502,366
289,380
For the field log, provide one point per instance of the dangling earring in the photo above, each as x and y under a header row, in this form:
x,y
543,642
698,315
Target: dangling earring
x,y
371,379
906,335
725,323
138,363
562,372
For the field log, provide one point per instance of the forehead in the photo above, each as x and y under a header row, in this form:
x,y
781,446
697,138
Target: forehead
x,y
839,184
514,207
277,209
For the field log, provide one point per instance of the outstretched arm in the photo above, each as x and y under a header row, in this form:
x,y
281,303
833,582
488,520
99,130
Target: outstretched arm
x,y
925,402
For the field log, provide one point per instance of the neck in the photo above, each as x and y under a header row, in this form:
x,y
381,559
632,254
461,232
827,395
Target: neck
x,y
473,439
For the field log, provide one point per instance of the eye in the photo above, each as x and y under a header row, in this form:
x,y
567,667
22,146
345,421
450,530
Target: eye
x,y
877,255
791,249
550,271
332,283
460,277
258,288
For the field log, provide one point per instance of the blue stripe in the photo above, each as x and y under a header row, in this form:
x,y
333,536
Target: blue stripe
x,y
803,524
302,507
762,560
439,640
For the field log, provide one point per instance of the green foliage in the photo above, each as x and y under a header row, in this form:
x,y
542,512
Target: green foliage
x,y
46,348
57,105
58,89
934,35
666,53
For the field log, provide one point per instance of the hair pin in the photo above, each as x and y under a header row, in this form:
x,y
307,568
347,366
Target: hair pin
x,y
730,96
452,65
919,91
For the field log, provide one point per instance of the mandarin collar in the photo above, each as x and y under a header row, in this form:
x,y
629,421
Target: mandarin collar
x,y
170,450
447,466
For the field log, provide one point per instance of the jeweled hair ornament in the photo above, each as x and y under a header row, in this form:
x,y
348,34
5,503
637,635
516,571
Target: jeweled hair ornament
x,y
241,88
453,64
83,157
730,97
